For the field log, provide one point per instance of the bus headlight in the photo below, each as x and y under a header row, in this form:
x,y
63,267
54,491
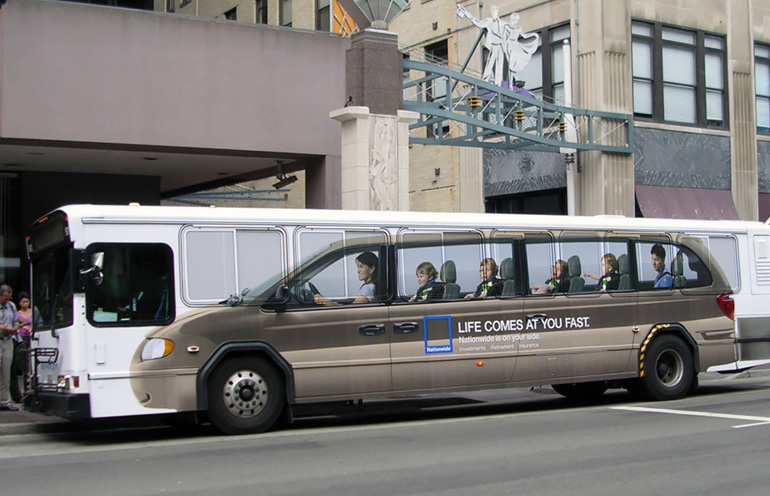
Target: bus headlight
x,y
157,348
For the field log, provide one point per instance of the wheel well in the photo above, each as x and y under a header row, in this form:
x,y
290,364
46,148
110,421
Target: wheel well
x,y
670,329
249,349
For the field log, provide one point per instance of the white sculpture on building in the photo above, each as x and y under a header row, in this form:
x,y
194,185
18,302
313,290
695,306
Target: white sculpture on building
x,y
502,41
383,169
518,52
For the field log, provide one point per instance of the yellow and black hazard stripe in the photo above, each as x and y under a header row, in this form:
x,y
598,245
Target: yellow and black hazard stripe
x,y
647,340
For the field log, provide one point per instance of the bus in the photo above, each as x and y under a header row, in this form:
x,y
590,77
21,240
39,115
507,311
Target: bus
x,y
242,315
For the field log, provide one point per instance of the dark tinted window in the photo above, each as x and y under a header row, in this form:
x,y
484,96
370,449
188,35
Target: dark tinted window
x,y
137,287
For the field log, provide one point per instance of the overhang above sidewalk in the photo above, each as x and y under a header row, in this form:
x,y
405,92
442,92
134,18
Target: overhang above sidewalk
x,y
686,203
195,102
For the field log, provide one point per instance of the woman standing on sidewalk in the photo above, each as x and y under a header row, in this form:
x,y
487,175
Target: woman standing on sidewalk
x,y
20,357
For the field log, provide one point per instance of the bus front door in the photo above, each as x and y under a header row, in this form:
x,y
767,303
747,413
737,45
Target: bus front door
x,y
337,351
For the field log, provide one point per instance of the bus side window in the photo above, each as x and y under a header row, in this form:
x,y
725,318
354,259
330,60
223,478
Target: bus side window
x,y
724,252
455,256
654,260
137,287
346,272
692,272
542,275
585,258
466,251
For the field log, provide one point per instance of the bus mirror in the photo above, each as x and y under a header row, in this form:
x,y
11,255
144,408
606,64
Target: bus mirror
x,y
282,294
278,301
97,262
95,270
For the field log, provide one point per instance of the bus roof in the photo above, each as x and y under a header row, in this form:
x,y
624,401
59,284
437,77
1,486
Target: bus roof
x,y
172,214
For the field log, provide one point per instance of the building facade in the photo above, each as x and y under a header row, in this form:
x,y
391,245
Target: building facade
x,y
116,105
693,73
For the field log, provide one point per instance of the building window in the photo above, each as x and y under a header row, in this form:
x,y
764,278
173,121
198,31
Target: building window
x,y
231,15
642,68
715,80
286,13
678,75
261,12
183,3
543,76
762,85
170,5
437,53
323,15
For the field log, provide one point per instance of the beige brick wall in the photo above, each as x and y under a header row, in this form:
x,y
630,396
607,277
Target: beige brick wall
x,y
430,192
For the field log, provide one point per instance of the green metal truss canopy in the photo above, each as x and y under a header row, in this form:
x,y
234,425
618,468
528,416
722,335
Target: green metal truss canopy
x,y
481,114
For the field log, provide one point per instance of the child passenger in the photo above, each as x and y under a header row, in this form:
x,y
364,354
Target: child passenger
x,y
430,287
557,283
490,283
610,278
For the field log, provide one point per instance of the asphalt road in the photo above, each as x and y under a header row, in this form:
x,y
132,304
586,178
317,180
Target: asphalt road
x,y
525,442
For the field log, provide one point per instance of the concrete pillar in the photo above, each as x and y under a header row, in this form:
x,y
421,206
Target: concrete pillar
x,y
743,139
374,168
322,183
603,82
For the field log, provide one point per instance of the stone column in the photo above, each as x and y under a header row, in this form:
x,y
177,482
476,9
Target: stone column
x,y
375,159
375,132
606,183
743,138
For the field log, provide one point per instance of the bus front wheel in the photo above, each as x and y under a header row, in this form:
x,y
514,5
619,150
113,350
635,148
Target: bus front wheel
x,y
668,370
246,396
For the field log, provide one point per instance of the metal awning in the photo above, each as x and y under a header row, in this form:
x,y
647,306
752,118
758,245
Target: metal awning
x,y
686,203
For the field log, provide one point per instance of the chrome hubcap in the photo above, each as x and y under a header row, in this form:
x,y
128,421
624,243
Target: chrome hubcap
x,y
245,393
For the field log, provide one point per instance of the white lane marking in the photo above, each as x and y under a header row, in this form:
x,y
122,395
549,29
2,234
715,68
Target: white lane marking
x,y
757,420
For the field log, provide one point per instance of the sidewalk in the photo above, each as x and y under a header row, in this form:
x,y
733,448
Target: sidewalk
x,y
24,422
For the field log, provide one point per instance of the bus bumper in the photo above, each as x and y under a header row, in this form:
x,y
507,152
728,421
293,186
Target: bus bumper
x,y
64,405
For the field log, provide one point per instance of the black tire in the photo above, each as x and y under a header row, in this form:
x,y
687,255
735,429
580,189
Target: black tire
x,y
582,391
246,396
669,371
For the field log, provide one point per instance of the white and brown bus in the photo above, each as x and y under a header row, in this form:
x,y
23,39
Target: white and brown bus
x,y
165,309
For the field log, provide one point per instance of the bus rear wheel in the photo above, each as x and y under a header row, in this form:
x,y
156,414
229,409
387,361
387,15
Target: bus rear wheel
x,y
668,370
246,396
582,391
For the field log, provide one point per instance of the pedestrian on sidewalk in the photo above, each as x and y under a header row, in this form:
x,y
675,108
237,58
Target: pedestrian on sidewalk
x,y
28,318
9,325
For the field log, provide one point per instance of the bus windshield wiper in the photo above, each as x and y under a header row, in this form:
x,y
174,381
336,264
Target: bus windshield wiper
x,y
235,299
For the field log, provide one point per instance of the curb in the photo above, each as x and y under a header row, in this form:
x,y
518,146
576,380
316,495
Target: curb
x,y
34,427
